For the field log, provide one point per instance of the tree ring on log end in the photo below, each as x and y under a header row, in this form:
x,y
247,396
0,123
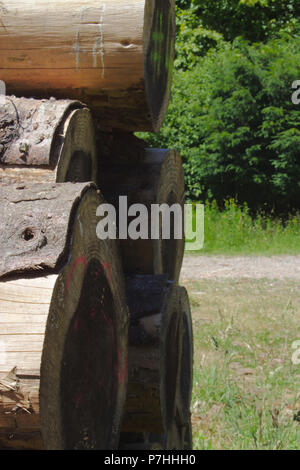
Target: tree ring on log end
x,y
79,167
168,252
159,43
187,354
77,155
154,354
177,438
84,361
46,141
153,178
169,247
170,357
90,360
172,429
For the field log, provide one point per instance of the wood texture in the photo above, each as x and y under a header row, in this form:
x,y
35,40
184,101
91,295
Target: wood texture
x,y
34,225
46,141
24,308
148,177
115,56
63,339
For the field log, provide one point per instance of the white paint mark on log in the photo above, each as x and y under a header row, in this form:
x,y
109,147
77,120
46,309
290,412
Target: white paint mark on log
x,y
83,10
95,53
76,49
102,40
80,227
3,11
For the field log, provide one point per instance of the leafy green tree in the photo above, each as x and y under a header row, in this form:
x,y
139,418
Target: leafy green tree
x,y
183,3
254,20
193,40
233,120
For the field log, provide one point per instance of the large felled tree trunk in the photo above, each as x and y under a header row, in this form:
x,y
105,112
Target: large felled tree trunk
x,y
46,141
63,321
149,177
114,55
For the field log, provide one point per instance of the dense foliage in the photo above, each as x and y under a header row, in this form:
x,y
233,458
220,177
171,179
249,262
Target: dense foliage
x,y
232,115
255,20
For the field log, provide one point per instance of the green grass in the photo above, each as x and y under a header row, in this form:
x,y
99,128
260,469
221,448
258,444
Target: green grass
x,y
246,388
233,231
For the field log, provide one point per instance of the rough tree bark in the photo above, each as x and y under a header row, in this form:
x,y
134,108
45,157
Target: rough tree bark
x,y
46,141
34,225
148,177
63,329
115,56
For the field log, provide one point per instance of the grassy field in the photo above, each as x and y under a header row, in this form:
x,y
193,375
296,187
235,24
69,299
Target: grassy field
x,y
246,388
234,232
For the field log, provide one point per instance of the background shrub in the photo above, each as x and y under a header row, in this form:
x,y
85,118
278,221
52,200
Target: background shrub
x,y
233,120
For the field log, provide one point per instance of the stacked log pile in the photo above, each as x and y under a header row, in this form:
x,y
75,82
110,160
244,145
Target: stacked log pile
x,y
115,56
96,344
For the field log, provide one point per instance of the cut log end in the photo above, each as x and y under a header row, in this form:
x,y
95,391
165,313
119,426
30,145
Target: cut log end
x,y
89,379
154,177
160,365
77,155
184,396
84,363
46,141
154,354
63,340
159,50
169,251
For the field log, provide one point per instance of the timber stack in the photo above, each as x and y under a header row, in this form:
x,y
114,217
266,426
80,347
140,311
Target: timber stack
x,y
96,342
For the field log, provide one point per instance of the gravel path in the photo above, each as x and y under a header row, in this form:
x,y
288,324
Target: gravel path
x,y
253,267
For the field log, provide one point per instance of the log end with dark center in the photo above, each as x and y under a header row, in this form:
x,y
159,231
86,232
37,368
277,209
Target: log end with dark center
x,y
89,381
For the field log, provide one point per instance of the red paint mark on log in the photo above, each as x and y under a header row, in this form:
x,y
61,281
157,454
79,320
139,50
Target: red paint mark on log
x,y
76,325
108,321
77,399
108,268
77,262
93,312
121,368
96,275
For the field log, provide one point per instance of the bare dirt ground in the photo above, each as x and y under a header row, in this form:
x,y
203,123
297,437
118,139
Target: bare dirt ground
x,y
236,267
